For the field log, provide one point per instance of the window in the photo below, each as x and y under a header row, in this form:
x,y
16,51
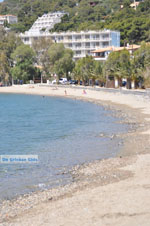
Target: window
x,y
87,45
87,36
26,39
77,37
106,44
105,36
60,38
95,36
78,52
69,37
78,45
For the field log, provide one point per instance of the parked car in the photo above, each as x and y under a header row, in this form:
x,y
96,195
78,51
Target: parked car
x,y
124,83
61,81
73,82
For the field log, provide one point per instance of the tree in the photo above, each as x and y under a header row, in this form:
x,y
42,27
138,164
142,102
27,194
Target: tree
x,y
23,57
112,66
61,62
146,77
127,4
118,65
41,48
142,62
85,69
142,56
4,69
8,44
99,72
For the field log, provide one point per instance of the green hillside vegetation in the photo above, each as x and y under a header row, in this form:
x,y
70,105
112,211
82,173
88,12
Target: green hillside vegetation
x,y
134,25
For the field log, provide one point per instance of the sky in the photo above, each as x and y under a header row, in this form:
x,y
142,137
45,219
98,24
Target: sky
x,y
1,0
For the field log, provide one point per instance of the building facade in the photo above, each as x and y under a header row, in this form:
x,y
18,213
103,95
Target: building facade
x,y
82,43
46,22
103,53
11,19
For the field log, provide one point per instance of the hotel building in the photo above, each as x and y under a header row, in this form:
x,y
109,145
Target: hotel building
x,y
82,43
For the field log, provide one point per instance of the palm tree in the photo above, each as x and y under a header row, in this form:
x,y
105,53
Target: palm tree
x,y
84,68
77,74
99,73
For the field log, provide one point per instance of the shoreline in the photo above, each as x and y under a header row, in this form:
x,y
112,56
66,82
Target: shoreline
x,y
96,175
133,112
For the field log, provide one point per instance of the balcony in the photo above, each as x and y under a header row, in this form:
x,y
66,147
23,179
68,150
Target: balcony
x,y
100,58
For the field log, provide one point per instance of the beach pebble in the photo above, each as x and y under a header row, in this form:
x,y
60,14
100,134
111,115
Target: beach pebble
x,y
41,185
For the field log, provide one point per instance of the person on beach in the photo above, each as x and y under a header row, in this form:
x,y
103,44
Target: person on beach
x,y
65,92
84,92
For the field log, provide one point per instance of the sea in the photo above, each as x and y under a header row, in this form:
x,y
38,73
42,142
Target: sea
x,y
62,132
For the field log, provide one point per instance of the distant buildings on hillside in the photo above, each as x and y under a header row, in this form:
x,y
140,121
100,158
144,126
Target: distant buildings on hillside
x,y
11,19
134,5
93,2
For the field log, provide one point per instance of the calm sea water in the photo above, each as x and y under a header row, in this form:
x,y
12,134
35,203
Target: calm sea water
x,y
62,132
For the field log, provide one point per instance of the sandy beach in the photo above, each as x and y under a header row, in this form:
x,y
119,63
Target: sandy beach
x,y
114,191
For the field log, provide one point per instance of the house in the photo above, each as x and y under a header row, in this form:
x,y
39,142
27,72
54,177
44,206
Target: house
x,y
93,3
133,5
103,53
11,19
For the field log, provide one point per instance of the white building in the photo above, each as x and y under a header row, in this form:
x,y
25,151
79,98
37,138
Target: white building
x,y
46,22
82,43
11,19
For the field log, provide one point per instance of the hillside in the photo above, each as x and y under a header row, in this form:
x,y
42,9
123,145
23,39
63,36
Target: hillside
x,y
86,14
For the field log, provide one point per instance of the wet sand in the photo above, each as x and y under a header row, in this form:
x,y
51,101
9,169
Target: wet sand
x,y
115,191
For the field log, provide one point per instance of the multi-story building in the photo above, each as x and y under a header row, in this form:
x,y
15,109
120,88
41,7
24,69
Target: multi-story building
x,y
11,19
46,22
82,43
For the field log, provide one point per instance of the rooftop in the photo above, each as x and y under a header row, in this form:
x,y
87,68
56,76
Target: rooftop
x,y
7,15
117,49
